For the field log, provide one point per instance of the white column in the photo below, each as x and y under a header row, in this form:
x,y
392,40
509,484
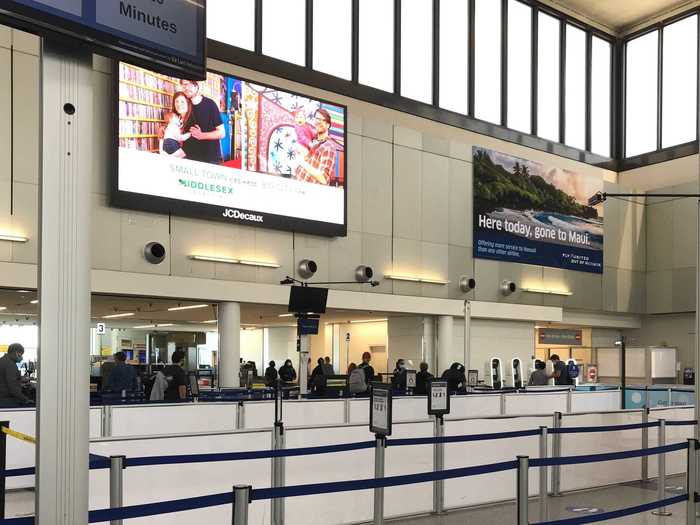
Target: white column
x,y
429,343
445,342
229,344
63,400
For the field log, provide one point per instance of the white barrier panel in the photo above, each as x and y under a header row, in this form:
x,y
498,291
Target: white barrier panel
x,y
474,406
498,486
258,414
340,507
596,401
411,459
181,418
169,482
311,413
410,408
19,453
95,422
574,477
676,462
535,403
359,410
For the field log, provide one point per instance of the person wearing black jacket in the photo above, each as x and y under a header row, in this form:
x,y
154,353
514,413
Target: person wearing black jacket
x,y
398,381
422,379
10,383
287,372
271,374
455,377
317,383
367,368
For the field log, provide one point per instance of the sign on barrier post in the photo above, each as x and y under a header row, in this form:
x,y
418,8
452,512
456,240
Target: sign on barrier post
x,y
410,380
438,398
380,416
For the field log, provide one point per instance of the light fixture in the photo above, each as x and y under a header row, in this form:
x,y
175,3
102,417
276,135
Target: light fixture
x,y
154,326
285,315
35,301
229,260
413,279
3,307
190,307
547,292
117,316
12,238
369,321
211,321
24,291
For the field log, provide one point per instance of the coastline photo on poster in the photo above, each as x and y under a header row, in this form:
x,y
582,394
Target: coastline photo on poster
x,y
532,213
231,150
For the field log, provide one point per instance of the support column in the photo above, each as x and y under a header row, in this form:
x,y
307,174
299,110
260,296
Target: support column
x,y
445,342
63,401
229,345
429,343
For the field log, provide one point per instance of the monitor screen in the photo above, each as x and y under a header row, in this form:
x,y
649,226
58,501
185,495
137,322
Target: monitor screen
x,y
307,326
304,299
230,150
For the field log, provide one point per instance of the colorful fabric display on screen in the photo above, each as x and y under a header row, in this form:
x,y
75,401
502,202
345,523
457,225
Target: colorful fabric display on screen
x,y
531,213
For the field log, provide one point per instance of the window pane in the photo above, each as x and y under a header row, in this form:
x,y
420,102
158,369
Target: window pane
x,y
679,82
548,77
600,96
575,116
519,65
487,60
377,44
284,30
417,50
219,15
641,92
454,55
333,37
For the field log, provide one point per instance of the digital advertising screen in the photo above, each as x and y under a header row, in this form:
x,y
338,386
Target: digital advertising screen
x,y
231,150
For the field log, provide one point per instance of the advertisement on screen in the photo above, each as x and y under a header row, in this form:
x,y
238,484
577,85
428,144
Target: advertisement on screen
x,y
531,213
230,150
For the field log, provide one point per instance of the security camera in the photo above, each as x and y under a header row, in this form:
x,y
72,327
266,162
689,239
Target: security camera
x,y
467,284
364,274
154,252
508,287
307,268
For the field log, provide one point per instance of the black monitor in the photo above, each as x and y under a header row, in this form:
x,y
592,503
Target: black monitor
x,y
304,299
307,327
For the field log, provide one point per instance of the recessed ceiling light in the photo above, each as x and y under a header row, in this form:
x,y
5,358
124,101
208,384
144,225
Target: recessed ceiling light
x,y
211,321
12,238
369,321
23,291
117,316
191,307
154,326
3,307
35,301
285,315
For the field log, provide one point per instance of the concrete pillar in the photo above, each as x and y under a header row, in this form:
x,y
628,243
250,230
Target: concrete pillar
x,y
429,343
63,399
445,343
229,344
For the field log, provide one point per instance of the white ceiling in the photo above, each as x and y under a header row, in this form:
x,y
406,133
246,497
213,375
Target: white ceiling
x,y
619,16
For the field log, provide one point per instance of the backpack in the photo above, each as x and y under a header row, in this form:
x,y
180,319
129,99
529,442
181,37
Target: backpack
x,y
357,382
572,370
160,385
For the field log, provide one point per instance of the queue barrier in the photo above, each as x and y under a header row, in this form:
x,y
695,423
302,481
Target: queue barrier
x,y
119,512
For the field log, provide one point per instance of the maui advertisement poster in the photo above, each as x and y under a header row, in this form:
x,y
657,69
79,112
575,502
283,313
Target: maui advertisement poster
x,y
531,213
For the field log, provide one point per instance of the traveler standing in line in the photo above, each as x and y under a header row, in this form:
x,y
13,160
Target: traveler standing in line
x,y
561,374
422,379
539,375
176,377
271,374
287,372
328,367
317,383
398,380
367,368
356,380
122,377
10,382
455,377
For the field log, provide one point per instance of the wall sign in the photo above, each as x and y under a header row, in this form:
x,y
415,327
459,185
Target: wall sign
x,y
559,336
168,35
530,213
438,398
101,329
410,379
380,409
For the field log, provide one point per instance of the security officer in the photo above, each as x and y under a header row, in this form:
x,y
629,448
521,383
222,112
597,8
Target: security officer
x,y
10,383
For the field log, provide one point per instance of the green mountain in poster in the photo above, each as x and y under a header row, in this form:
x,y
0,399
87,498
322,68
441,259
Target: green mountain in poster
x,y
495,188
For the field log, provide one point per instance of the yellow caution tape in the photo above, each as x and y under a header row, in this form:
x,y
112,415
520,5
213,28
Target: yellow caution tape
x,y
19,435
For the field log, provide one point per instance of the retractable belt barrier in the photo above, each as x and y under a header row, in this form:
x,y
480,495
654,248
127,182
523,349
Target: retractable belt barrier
x,y
19,435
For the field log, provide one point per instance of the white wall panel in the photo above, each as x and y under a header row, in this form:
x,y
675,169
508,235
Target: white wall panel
x,y
535,403
172,419
595,401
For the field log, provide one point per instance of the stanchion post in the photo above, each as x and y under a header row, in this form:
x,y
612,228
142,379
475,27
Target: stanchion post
x,y
556,453
3,466
543,475
117,464
670,397
503,404
438,466
241,500
569,400
690,479
379,450
661,511
522,489
645,443
346,410
278,474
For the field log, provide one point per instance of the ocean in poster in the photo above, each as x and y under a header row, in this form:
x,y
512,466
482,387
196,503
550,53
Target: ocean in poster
x,y
531,213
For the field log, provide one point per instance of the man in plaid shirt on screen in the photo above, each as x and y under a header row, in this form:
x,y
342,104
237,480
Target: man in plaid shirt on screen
x,y
318,166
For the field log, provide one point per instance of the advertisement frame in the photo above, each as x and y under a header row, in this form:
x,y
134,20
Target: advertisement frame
x,y
181,208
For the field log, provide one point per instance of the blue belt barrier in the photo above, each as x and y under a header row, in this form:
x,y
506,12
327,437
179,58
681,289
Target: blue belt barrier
x,y
461,439
607,428
96,463
688,422
608,456
373,483
253,454
613,514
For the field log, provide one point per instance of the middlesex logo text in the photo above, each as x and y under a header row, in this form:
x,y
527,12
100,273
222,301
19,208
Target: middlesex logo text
x,y
203,186
235,214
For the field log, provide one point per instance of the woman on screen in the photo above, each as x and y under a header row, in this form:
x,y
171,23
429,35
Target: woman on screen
x,y
172,136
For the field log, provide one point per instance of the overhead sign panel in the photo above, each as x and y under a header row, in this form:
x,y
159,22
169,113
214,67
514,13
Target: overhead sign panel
x,y
166,35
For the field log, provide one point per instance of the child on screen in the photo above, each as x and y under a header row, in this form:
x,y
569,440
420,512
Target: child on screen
x,y
305,132
173,136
